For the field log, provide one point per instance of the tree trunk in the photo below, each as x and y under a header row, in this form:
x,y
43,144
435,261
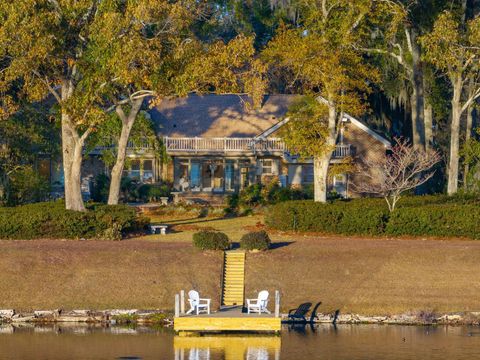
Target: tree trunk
x,y
72,166
321,163
320,172
418,97
452,186
428,112
72,147
468,135
428,115
117,170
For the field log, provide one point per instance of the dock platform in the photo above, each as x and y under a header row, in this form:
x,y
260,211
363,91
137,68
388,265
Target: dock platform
x,y
227,319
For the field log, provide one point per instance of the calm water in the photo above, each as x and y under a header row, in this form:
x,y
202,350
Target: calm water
x,y
326,342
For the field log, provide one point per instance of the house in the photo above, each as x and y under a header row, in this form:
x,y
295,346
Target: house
x,y
218,144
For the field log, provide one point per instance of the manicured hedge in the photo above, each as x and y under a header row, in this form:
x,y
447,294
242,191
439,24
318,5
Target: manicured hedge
x,y
51,220
338,217
449,220
211,240
417,216
255,240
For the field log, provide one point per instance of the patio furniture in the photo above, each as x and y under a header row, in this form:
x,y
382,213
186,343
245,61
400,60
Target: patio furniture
x,y
164,200
157,227
197,304
299,313
313,315
258,305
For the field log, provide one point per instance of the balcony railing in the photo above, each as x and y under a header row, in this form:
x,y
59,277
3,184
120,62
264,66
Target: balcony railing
x,y
142,147
198,144
342,151
225,145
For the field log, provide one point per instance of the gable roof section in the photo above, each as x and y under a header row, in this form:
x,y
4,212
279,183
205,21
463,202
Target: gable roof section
x,y
359,124
218,115
362,126
227,116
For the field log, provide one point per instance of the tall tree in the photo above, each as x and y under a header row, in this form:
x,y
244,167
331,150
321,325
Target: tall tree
x,y
452,47
321,55
188,65
77,52
397,39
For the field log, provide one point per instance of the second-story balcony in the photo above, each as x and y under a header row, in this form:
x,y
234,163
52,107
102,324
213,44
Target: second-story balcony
x,y
237,145
342,151
224,145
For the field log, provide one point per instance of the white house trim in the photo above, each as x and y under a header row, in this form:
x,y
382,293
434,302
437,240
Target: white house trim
x,y
369,131
272,129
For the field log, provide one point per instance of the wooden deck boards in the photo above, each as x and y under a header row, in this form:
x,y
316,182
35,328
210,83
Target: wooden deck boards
x,y
230,319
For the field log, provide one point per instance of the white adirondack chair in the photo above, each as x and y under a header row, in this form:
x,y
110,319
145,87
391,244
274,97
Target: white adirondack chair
x,y
258,305
196,304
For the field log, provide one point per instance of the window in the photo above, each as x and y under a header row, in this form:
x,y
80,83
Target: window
x,y
307,174
148,171
267,166
340,185
135,169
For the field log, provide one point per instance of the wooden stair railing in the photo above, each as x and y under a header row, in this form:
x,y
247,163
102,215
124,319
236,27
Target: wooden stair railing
x,y
233,278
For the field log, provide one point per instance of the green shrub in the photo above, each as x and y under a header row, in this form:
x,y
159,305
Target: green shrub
x,y
251,196
440,216
255,240
100,188
51,220
257,195
157,318
149,193
26,186
211,240
338,217
125,319
444,220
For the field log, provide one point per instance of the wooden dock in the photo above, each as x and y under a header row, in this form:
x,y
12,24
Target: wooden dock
x,y
230,319
226,319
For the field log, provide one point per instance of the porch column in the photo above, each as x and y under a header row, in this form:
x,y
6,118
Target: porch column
x,y
236,176
189,172
224,172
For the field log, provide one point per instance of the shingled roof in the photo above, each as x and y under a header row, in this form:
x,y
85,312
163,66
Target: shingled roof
x,y
218,115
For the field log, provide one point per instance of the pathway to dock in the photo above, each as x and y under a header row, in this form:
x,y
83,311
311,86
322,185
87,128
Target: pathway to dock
x,y
232,316
233,277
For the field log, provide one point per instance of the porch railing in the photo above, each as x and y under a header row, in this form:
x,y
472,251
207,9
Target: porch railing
x,y
143,146
219,145
342,151
196,144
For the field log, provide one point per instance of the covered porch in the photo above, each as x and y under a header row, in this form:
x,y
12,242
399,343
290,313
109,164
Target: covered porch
x,y
210,174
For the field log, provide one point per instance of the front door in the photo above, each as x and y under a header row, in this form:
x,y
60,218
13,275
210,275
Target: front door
x,y
195,176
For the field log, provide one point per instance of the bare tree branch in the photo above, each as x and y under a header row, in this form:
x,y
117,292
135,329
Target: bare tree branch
x,y
405,169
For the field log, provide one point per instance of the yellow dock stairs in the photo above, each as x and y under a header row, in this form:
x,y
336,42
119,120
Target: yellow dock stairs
x,y
233,278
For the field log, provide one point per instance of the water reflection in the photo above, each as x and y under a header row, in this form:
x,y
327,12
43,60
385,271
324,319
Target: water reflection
x,y
322,342
227,347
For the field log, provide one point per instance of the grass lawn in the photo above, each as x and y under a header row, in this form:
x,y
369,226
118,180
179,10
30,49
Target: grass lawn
x,y
367,276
